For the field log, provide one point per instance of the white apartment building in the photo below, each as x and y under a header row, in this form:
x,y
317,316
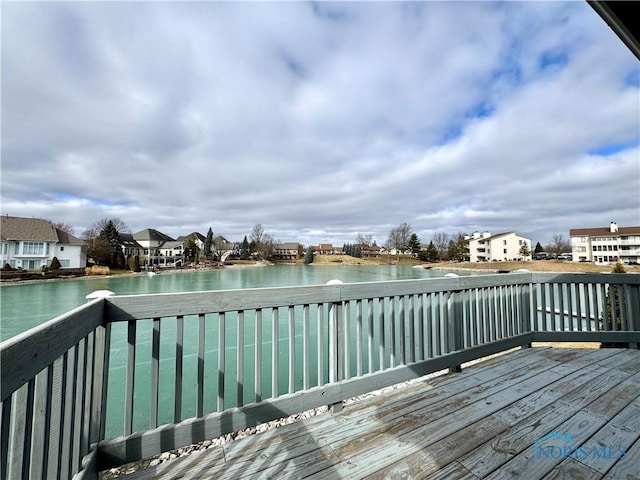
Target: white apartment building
x,y
484,247
606,244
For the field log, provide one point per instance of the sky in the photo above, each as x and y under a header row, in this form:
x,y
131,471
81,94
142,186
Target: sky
x,y
319,120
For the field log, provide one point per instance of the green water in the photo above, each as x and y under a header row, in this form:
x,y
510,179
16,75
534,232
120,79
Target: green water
x,y
25,306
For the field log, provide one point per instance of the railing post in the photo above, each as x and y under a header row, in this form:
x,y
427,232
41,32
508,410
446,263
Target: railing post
x,y
524,308
454,324
336,347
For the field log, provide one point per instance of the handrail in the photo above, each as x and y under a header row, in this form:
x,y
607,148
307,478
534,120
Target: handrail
x,y
198,365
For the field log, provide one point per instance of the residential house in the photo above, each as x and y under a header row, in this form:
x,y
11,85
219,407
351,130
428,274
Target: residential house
x,y
197,238
326,249
287,251
31,243
151,240
172,253
605,244
130,248
507,246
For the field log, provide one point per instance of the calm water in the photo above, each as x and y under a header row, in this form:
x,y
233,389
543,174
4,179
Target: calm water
x,y
25,306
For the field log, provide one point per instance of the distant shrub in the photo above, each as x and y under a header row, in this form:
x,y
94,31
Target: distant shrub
x,y
55,264
619,268
7,268
97,270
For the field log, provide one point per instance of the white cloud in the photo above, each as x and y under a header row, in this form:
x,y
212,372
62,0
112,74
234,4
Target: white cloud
x,y
319,120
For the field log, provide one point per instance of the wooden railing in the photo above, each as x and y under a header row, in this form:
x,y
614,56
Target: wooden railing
x,y
129,377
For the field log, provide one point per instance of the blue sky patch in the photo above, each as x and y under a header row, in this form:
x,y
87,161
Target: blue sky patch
x,y
553,60
613,148
633,79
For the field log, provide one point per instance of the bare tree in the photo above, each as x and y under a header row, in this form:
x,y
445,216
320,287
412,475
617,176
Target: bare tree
x,y
558,245
399,238
257,234
65,227
94,230
364,239
441,242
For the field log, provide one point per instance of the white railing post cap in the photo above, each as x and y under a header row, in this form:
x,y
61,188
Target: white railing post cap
x,y
99,294
335,281
451,275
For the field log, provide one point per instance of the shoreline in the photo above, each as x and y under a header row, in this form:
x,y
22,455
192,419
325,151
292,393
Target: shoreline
x,y
500,268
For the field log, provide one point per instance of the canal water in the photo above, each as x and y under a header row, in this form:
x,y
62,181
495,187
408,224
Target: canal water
x,y
25,306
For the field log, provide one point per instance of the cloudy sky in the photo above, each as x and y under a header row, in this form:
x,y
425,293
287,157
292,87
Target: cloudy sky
x,y
319,120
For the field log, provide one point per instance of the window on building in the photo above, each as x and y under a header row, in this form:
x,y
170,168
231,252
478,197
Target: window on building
x,y
6,248
17,249
62,249
65,263
32,248
505,251
504,242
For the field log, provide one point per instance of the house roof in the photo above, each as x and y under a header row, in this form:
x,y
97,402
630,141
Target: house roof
x,y
151,234
36,229
192,235
128,241
68,239
172,244
603,232
19,228
286,246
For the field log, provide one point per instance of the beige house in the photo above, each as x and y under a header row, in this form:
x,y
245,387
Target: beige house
x,y
287,251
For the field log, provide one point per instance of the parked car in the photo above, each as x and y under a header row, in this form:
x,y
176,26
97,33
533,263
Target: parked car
x,y
565,256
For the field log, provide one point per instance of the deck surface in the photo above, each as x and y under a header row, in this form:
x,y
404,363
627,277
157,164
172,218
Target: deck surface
x,y
488,421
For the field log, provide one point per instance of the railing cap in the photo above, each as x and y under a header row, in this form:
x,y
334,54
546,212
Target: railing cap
x,y
99,294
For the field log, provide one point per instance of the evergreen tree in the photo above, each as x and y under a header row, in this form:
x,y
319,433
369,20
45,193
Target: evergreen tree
x,y
245,254
431,253
308,257
55,263
208,243
524,251
110,234
414,244
538,248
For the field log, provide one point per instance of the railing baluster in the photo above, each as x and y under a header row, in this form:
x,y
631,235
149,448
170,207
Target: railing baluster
x,y
370,350
221,360
275,338
28,423
75,414
601,308
177,407
63,431
103,382
429,325
345,341
257,358
200,386
358,337
240,360
420,319
131,372
88,393
561,297
438,323
402,324
552,292
382,339
392,340
155,374
5,428
569,287
412,329
543,302
588,293
292,350
305,347
320,331
578,293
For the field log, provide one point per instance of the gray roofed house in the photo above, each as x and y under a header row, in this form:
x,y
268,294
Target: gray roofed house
x,y
31,243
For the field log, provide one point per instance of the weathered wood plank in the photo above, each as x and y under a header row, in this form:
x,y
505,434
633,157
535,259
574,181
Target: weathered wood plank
x,y
521,436
35,349
627,467
425,426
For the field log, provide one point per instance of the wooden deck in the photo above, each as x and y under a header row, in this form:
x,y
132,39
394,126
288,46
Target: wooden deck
x,y
481,423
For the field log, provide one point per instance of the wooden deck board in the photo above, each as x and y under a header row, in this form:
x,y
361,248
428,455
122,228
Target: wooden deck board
x,y
480,423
